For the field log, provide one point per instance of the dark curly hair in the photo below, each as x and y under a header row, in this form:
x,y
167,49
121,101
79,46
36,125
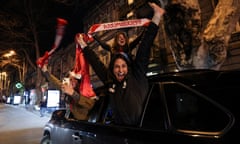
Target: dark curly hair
x,y
120,55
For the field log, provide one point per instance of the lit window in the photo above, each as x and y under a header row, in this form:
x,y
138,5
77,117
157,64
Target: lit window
x,y
130,2
130,14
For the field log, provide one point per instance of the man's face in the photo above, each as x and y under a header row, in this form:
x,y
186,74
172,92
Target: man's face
x,y
73,81
121,40
120,69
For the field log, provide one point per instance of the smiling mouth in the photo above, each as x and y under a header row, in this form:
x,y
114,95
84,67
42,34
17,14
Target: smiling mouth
x,y
120,76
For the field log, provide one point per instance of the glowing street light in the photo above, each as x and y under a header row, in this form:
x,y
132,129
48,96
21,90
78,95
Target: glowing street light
x,y
13,58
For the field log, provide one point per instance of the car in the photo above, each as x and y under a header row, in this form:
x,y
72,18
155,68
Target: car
x,y
185,107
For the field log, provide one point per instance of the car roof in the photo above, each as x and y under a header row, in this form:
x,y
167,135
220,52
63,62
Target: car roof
x,y
199,76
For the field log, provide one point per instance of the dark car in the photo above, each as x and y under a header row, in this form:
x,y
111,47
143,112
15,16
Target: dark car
x,y
188,107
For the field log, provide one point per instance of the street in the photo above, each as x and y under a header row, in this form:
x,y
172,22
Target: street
x,y
18,125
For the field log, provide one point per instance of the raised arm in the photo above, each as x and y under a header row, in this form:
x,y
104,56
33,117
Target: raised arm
x,y
143,53
102,44
93,59
135,42
51,78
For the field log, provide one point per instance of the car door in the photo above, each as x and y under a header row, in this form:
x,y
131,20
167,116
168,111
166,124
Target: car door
x,y
174,113
74,132
185,115
62,131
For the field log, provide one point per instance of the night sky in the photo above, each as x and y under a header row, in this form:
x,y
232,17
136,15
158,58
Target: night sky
x,y
44,13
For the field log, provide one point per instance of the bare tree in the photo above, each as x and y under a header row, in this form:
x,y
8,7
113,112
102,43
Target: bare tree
x,y
20,28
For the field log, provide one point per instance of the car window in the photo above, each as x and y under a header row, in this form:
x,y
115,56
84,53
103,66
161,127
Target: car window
x,y
175,106
97,113
153,113
190,110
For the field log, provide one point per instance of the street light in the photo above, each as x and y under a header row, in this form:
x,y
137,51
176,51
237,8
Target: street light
x,y
11,58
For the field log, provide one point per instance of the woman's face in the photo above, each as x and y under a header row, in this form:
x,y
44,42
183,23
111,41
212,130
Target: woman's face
x,y
120,69
121,40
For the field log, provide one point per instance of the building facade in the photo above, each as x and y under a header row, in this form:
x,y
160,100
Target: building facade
x,y
115,10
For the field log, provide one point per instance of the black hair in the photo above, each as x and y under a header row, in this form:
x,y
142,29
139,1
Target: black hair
x,y
120,55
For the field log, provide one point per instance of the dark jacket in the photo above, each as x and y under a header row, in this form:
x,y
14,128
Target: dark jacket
x,y
128,97
43,104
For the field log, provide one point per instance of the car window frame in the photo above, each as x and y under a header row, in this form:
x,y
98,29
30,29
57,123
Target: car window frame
x,y
168,123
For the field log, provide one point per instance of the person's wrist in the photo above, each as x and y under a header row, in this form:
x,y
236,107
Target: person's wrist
x,y
156,19
44,68
83,45
158,13
79,38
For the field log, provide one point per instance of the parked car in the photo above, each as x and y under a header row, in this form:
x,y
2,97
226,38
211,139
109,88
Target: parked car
x,y
188,107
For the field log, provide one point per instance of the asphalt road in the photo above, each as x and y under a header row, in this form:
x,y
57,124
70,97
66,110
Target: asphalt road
x,y
20,126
